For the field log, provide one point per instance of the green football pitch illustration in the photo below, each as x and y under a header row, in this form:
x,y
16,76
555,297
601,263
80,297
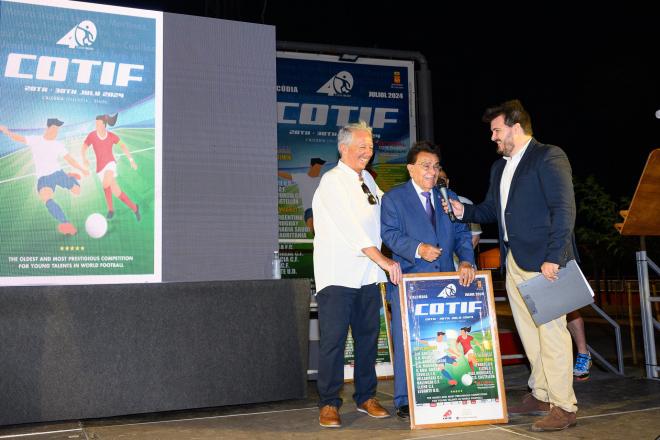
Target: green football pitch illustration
x,y
30,232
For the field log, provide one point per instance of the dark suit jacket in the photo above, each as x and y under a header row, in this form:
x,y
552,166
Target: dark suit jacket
x,y
405,224
540,210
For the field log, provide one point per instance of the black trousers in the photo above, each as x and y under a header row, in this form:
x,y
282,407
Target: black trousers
x,y
340,307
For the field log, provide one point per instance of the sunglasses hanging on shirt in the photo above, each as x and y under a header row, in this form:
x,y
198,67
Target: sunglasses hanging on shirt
x,y
373,200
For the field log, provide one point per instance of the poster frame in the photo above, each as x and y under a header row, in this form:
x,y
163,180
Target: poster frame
x,y
441,420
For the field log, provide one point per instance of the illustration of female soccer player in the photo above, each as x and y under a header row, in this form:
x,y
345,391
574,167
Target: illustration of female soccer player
x,y
465,340
444,354
46,151
102,142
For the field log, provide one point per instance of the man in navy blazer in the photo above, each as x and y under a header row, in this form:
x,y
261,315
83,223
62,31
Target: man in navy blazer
x,y
531,198
422,239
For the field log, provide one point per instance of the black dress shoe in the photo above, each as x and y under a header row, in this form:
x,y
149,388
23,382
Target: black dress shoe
x,y
403,412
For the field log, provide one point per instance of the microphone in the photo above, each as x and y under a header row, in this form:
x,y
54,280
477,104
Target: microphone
x,y
442,186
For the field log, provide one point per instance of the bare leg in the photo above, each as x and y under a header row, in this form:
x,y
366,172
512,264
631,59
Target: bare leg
x,y
576,328
109,180
471,361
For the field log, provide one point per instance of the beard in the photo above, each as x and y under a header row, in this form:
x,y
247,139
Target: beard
x,y
505,146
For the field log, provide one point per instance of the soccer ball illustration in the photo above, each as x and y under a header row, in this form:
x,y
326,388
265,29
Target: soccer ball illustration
x,y
466,379
96,225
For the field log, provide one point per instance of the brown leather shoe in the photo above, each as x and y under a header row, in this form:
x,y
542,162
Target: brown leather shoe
x,y
329,417
373,408
531,406
557,420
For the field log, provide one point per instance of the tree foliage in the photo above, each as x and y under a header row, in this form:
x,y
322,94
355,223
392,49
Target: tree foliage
x,y
599,243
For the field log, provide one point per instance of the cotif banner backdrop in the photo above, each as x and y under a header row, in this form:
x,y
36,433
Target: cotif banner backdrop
x,y
80,147
316,96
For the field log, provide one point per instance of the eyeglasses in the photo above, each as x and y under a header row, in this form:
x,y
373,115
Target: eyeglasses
x,y
373,200
427,166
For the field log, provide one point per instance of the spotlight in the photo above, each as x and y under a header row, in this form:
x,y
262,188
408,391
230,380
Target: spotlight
x,y
348,57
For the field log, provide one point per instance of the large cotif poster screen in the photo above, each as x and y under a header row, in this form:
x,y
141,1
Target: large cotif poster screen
x,y
80,143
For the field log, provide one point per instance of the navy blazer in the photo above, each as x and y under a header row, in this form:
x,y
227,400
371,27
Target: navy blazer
x,y
405,224
540,209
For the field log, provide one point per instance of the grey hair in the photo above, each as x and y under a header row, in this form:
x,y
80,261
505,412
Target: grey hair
x,y
345,135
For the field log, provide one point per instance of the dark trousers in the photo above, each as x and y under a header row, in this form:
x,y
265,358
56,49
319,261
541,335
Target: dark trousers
x,y
340,307
400,380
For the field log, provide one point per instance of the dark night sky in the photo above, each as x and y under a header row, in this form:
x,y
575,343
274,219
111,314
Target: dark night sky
x,y
588,78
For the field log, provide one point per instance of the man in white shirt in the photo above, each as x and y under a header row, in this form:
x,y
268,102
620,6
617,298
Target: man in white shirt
x,y
348,265
531,198
46,151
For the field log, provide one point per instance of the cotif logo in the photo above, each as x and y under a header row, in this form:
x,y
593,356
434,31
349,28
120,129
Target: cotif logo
x,y
341,84
448,292
81,35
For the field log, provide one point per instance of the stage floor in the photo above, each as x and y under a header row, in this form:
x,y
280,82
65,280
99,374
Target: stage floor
x,y
611,407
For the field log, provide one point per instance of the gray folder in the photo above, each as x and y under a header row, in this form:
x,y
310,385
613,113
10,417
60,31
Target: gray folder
x,y
548,300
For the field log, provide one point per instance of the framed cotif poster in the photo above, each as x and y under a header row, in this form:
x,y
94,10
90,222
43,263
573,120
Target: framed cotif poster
x,y
452,353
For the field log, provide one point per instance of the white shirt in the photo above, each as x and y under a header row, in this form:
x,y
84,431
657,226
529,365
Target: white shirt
x,y
45,154
441,348
306,187
344,224
505,183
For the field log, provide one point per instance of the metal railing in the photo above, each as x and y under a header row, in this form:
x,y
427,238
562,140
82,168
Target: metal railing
x,y
617,335
619,345
649,323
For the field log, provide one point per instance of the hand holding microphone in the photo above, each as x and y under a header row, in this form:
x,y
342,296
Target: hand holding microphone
x,y
446,205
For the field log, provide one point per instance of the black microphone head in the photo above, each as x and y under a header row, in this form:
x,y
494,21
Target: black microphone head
x,y
442,187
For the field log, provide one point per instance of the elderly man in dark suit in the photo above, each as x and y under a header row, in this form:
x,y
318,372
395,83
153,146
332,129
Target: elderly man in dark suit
x,y
531,199
421,240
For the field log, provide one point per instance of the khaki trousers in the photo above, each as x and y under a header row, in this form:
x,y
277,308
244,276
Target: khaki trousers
x,y
548,347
